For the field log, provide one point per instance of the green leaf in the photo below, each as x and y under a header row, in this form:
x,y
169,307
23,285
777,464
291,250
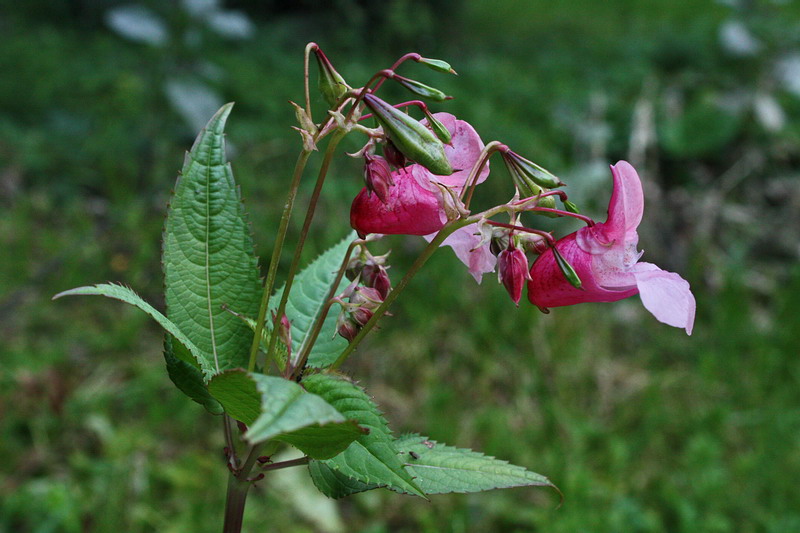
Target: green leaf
x,y
440,469
372,459
188,378
334,484
191,354
279,409
208,254
309,293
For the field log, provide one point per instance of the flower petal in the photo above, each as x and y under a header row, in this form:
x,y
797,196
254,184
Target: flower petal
x,y
666,295
627,202
463,151
549,288
466,243
410,209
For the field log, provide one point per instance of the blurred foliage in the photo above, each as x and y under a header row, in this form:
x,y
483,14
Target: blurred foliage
x,y
642,428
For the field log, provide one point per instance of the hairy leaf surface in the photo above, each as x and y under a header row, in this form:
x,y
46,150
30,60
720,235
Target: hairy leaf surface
x,y
208,254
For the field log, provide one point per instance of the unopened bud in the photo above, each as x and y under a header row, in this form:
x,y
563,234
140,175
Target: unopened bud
x,y
361,316
394,156
532,243
375,276
346,327
567,269
422,90
414,140
437,65
571,207
331,84
378,176
285,332
366,297
512,271
528,171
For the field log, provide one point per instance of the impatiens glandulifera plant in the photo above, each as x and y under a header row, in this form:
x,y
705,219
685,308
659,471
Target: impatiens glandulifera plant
x,y
266,357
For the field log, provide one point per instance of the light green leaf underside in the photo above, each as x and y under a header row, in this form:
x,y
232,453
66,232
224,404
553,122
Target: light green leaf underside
x,y
309,292
372,459
191,354
279,409
189,379
439,469
333,483
208,254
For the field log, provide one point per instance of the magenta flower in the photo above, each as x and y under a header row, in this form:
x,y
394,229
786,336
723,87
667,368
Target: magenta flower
x,y
512,271
414,204
605,258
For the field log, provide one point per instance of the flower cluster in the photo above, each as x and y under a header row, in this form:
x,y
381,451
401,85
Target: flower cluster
x,y
598,263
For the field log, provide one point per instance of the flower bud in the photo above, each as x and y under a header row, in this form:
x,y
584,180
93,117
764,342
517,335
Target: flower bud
x,y
394,156
375,276
414,140
285,332
378,176
528,172
571,207
331,84
437,65
346,327
512,271
422,90
366,297
361,316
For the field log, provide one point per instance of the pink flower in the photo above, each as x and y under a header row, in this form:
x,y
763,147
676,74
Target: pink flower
x,y
414,204
512,271
605,258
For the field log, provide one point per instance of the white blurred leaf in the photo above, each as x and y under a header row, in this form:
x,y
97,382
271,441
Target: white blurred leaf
x,y
737,40
230,24
194,101
788,71
138,23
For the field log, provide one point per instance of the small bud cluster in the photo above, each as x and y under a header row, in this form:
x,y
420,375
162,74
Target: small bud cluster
x,y
369,288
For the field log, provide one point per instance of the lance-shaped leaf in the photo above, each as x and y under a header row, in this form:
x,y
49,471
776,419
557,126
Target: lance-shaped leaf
x,y
189,379
191,354
279,409
372,459
305,303
439,469
208,254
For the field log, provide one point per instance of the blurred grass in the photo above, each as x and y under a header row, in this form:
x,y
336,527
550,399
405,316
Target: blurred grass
x,y
642,428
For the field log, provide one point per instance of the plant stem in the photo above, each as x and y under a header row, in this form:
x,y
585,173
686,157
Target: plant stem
x,y
299,166
286,464
234,504
305,350
312,204
395,292
472,179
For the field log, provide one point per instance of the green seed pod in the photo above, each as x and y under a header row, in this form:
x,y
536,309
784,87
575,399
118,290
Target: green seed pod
x,y
422,90
567,269
571,207
437,65
408,135
530,171
331,84
438,128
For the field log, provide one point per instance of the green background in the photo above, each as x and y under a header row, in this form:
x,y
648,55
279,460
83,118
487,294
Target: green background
x,y
643,428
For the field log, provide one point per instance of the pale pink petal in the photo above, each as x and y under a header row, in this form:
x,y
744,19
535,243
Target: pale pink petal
x,y
462,152
466,243
666,295
410,209
627,202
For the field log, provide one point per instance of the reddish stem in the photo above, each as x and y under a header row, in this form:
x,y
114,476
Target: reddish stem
x,y
561,213
546,235
418,103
